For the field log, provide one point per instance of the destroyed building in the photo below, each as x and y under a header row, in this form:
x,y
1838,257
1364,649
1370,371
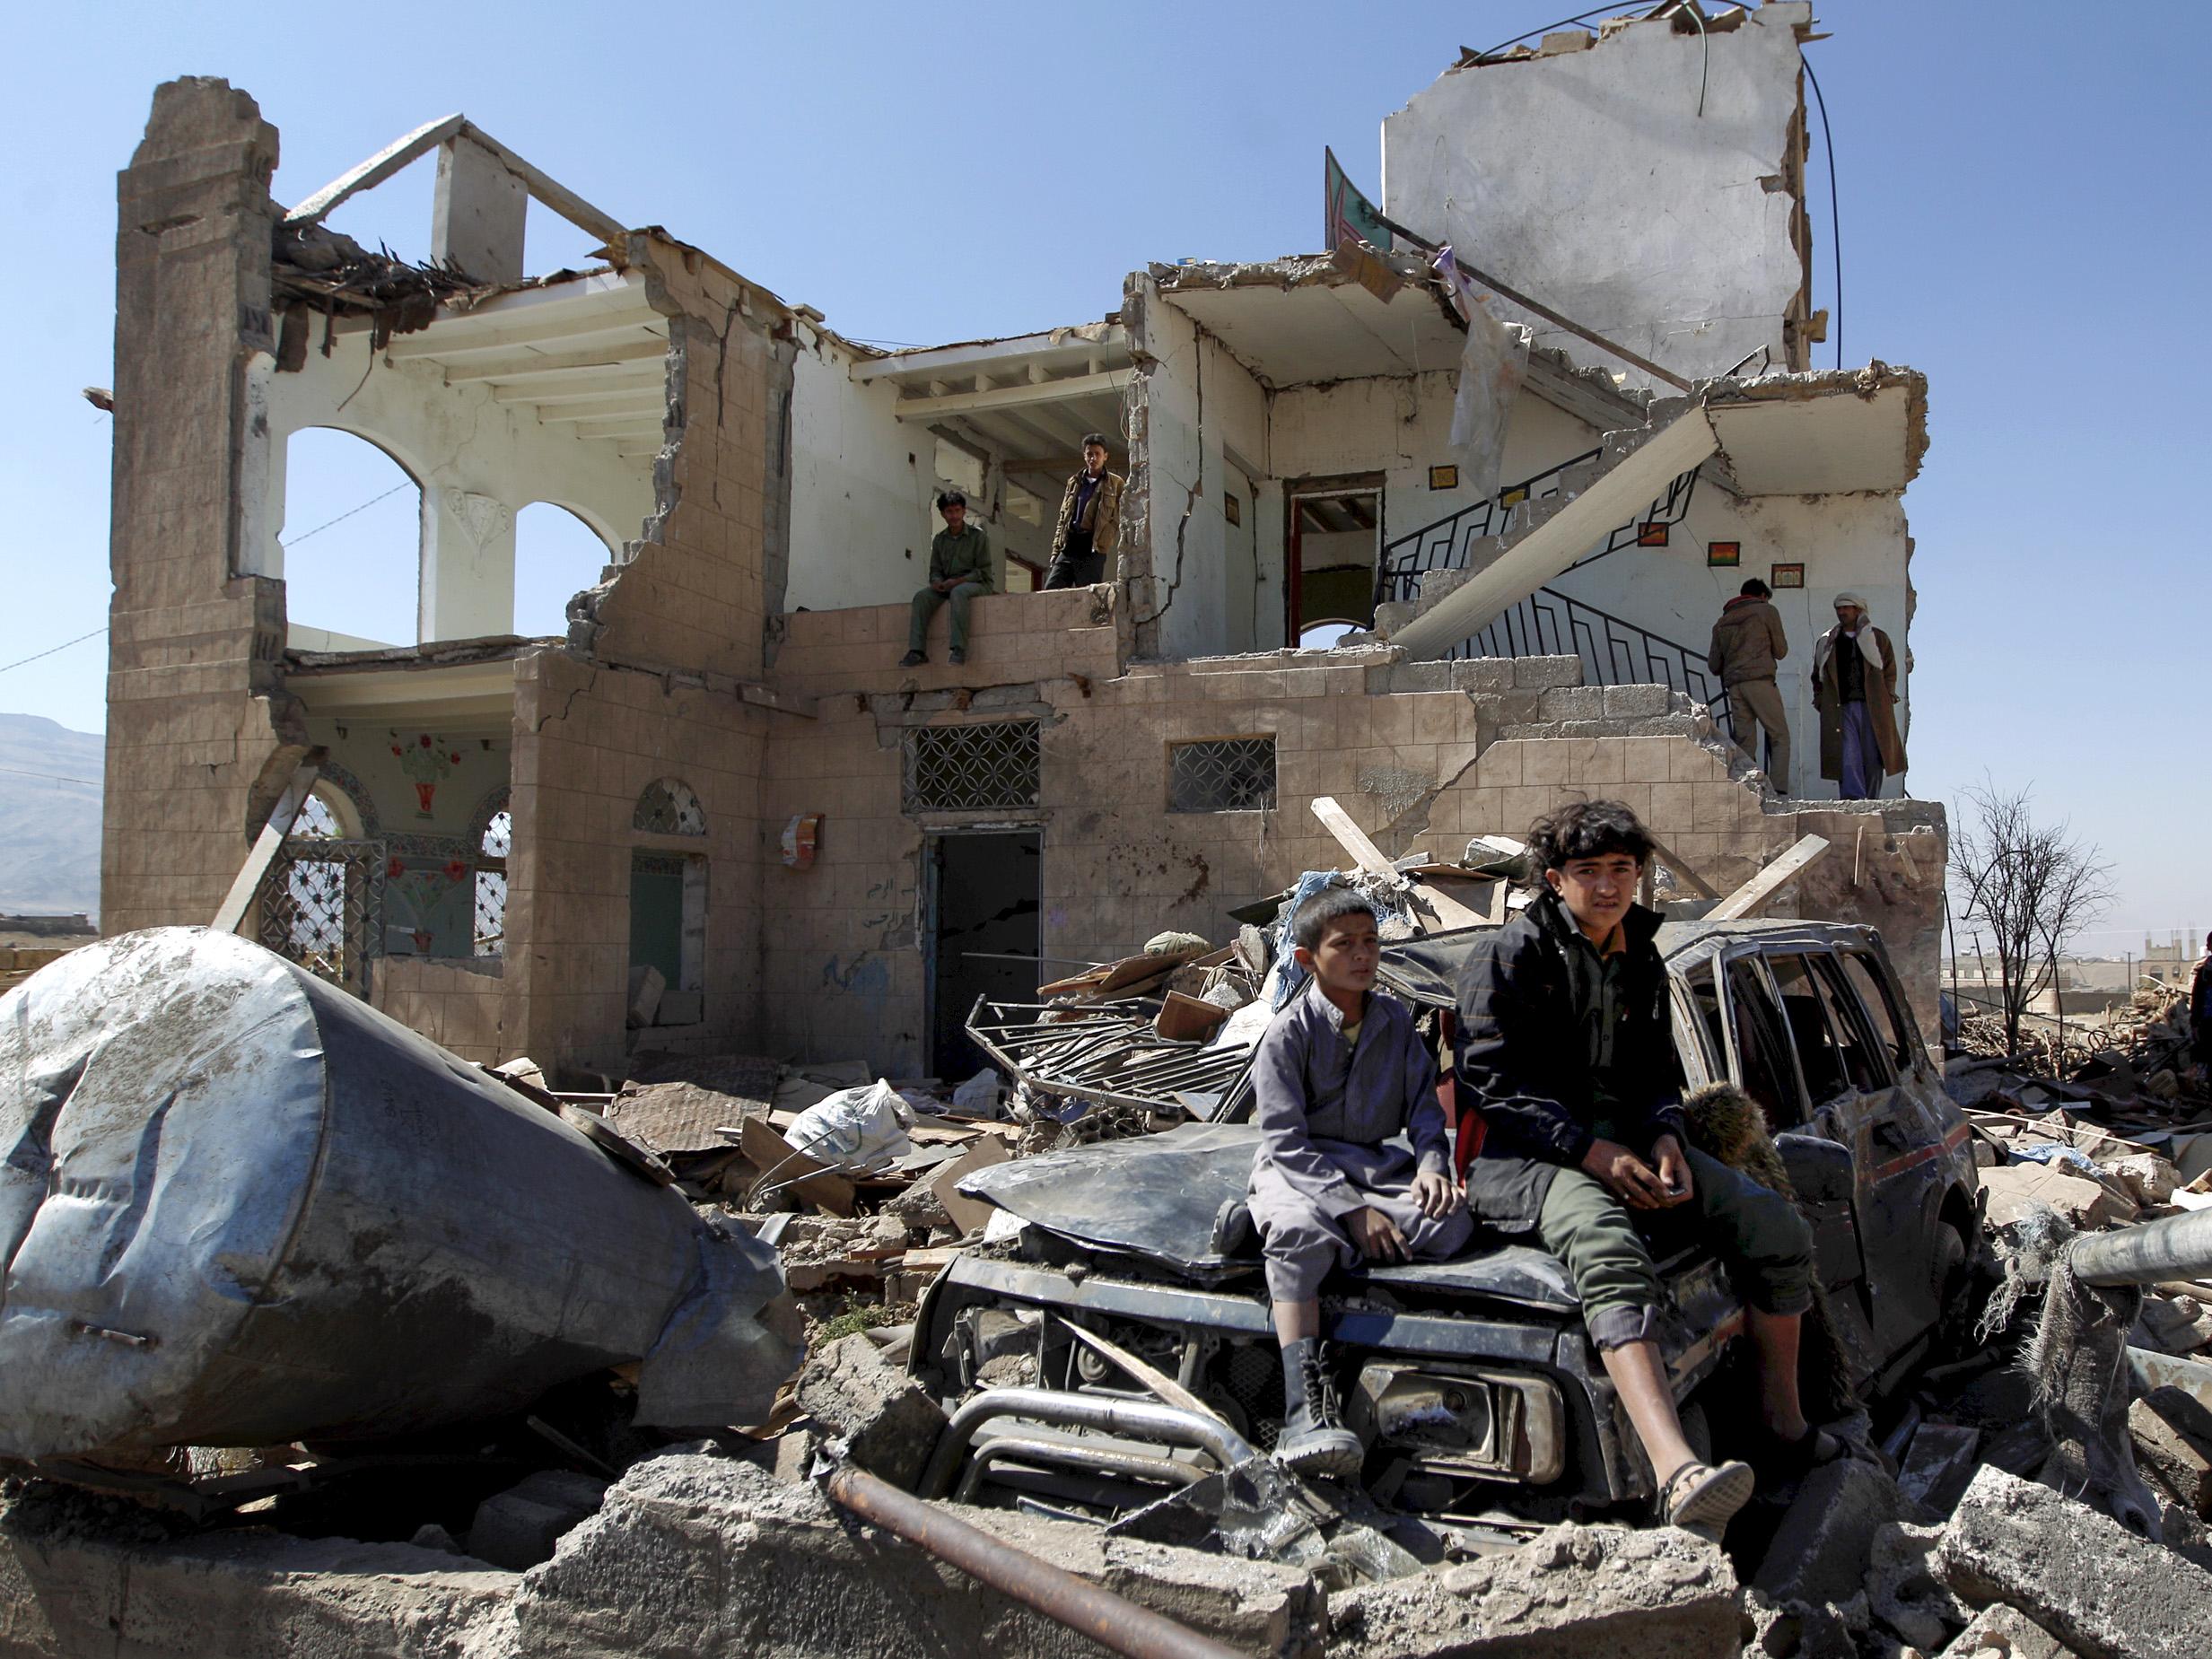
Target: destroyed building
x,y
720,773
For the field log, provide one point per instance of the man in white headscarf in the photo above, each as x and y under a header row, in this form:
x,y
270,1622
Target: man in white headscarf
x,y
1855,689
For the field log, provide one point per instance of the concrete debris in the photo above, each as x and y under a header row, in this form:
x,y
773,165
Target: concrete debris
x,y
742,1565
1820,1551
2171,1458
516,1528
1663,1594
887,1421
1938,1466
2002,1632
1903,1593
2100,1589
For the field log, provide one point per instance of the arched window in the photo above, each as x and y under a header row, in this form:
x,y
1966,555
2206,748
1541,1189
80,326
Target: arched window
x,y
669,807
491,835
318,909
556,557
352,541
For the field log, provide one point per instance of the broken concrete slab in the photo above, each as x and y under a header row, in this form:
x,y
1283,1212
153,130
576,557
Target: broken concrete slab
x,y
2166,1451
517,1529
1821,1549
1902,1590
1661,1594
2082,1576
2002,1632
71,1584
2013,1191
887,1421
694,1554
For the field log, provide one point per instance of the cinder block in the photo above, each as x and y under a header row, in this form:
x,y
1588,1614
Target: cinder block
x,y
1573,702
1635,700
1543,673
1482,674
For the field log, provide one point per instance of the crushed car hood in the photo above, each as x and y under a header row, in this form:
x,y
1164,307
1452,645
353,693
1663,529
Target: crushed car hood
x,y
1155,1197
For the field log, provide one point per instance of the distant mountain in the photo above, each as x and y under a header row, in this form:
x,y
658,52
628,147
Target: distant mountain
x,y
49,815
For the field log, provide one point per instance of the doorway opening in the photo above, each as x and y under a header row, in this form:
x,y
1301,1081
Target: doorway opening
x,y
1335,531
667,932
985,935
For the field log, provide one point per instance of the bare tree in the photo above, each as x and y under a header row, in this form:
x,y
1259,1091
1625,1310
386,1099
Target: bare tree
x,y
2028,888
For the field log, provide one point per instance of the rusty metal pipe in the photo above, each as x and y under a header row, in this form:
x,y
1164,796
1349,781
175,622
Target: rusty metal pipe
x,y
1109,1619
1134,1419
2174,1247
1068,1455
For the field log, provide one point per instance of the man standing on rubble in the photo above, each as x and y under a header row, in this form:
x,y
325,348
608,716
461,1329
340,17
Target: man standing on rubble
x,y
1855,689
2200,1010
959,570
1564,1040
1090,520
1747,642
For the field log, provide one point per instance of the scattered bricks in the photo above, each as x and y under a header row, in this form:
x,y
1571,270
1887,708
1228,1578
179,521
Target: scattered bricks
x,y
2079,1574
1482,674
517,1529
1635,701
1541,673
2015,1189
887,1421
1938,1464
2150,1177
1630,1595
1902,1590
2179,1466
1820,1548
706,1555
2002,1632
1413,676
1573,702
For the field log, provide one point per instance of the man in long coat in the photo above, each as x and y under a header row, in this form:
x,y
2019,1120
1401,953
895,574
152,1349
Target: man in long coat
x,y
1855,689
1089,522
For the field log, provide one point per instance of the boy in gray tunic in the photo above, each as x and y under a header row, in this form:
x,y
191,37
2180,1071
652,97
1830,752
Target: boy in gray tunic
x,y
1338,1076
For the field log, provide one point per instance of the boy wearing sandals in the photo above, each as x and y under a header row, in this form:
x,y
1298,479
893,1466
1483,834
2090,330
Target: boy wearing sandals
x,y
1565,1038
1341,1073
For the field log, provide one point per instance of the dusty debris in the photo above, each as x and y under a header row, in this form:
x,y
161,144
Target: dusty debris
x,y
518,1528
886,1422
1630,1595
1819,1551
2100,1589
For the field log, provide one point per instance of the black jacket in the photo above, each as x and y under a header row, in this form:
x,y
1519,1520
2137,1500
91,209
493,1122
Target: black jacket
x,y
1526,1056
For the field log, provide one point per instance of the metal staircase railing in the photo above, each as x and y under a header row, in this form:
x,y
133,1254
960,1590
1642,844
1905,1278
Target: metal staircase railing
x,y
1614,651
1445,544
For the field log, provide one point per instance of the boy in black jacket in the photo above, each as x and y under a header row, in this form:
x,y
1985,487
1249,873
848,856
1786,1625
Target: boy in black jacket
x,y
1565,1037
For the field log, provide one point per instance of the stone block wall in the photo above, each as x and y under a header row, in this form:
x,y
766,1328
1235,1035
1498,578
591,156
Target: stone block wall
x,y
195,725
589,737
458,1005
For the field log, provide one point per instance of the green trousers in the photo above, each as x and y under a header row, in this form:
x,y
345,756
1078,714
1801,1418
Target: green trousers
x,y
1760,1238
926,602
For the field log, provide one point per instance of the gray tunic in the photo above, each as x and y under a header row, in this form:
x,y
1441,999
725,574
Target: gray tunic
x,y
1328,1113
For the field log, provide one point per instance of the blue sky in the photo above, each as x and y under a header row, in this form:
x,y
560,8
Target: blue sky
x,y
2023,219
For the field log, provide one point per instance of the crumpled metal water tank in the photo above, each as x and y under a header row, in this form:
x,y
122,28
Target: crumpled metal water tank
x,y
239,1207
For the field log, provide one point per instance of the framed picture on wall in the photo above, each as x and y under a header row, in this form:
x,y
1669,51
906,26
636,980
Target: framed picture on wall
x,y
1787,576
1444,478
1651,534
1232,509
1724,552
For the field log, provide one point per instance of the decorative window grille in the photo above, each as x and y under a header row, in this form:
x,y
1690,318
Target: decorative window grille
x,y
321,902
491,918
669,807
317,820
1230,774
990,764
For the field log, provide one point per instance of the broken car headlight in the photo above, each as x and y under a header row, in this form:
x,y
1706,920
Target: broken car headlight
x,y
1498,1425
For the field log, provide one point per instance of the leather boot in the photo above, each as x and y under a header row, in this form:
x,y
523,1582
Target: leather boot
x,y
1313,1439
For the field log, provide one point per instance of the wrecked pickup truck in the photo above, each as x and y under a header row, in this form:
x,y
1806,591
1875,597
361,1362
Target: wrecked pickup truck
x,y
1100,1285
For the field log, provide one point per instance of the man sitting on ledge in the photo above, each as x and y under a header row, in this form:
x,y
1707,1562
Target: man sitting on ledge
x,y
959,570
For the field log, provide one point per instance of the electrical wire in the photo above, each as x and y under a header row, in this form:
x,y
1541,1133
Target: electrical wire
x,y
1835,209
404,483
50,649
52,776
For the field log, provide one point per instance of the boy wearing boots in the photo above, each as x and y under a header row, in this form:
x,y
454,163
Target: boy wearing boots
x,y
1340,1073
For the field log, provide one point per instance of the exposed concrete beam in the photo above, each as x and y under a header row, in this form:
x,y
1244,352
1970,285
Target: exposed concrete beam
x,y
531,367
1016,352
419,143
936,407
1617,497
477,213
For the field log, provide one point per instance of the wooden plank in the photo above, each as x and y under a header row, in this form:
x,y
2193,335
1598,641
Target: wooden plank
x,y
1447,913
1769,881
968,1214
1680,866
248,882
1349,836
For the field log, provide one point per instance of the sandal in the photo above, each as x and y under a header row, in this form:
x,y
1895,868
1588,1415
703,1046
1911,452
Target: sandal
x,y
1698,1494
